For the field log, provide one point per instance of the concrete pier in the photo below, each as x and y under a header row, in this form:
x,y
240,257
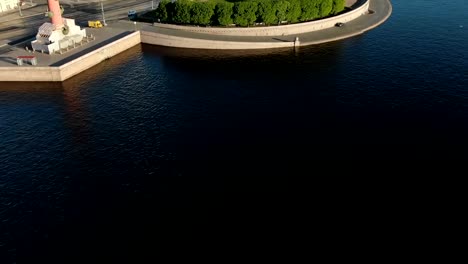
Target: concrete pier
x,y
59,67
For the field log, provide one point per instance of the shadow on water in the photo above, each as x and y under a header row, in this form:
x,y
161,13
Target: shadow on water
x,y
248,64
209,54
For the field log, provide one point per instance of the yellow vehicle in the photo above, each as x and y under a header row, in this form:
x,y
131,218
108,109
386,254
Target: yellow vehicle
x,y
95,24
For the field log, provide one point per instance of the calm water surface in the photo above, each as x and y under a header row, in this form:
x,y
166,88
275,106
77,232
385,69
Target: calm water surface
x,y
141,146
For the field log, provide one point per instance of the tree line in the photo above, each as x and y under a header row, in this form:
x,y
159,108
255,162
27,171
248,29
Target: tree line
x,y
245,13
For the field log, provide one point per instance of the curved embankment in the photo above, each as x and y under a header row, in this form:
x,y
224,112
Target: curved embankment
x,y
359,9
367,14
380,10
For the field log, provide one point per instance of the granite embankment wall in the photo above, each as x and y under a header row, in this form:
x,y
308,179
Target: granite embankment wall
x,y
32,74
76,66
153,38
97,56
360,8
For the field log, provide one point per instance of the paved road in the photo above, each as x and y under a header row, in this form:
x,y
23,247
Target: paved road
x,y
13,26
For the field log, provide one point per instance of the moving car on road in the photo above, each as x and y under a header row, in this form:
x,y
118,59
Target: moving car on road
x,y
132,14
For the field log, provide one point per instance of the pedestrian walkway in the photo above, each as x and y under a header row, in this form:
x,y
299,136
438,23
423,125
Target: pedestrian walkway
x,y
380,10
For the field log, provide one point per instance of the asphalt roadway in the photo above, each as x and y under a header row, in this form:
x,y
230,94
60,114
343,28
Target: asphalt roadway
x,y
14,27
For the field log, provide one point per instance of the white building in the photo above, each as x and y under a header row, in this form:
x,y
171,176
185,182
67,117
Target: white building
x,y
49,39
8,5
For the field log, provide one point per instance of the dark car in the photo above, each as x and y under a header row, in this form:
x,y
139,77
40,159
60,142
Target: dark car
x,y
339,24
132,15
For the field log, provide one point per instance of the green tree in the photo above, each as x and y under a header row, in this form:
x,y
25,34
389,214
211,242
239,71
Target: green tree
x,y
294,11
161,12
170,7
245,13
223,13
266,13
281,7
182,11
201,13
310,9
326,8
338,6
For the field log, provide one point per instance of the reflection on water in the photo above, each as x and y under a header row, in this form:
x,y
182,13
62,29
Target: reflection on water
x,y
147,145
213,54
252,60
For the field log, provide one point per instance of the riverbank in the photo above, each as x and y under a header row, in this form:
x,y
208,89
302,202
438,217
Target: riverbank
x,y
371,14
122,35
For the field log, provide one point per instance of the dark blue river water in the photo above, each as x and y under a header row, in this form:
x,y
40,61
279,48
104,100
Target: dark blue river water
x,y
136,153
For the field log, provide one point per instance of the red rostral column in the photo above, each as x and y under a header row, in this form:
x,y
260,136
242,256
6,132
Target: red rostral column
x,y
54,8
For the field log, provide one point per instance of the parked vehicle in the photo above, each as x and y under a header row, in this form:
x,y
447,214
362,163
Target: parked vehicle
x,y
339,24
95,24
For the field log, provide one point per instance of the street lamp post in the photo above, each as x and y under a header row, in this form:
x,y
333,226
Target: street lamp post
x,y
103,18
152,4
19,8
